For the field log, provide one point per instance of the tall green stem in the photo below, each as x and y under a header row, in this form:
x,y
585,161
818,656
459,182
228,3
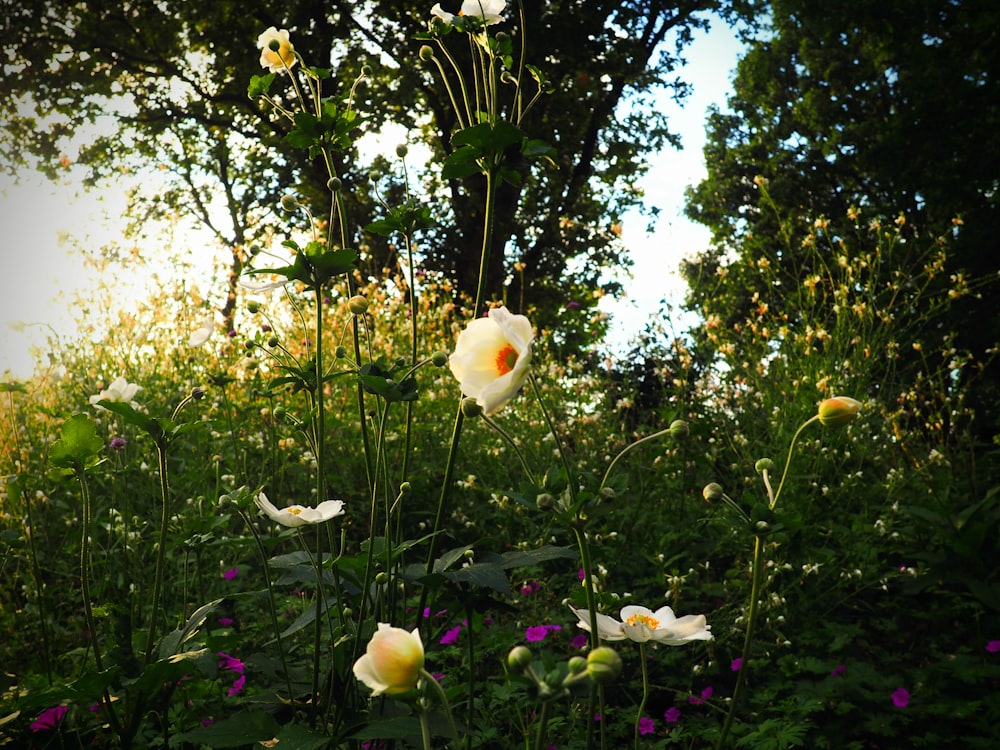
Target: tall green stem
x,y
484,260
161,550
645,693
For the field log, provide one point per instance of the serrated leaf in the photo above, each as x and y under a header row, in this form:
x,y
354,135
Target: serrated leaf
x,y
78,443
259,85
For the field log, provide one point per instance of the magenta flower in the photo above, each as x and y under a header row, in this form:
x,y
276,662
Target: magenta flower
x,y
238,685
118,444
737,664
993,646
901,698
839,670
672,715
530,588
230,662
231,574
48,719
225,621
646,725
694,700
579,641
536,633
451,636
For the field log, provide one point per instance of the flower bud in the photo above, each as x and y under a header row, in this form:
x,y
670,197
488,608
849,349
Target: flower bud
x,y
274,45
519,659
471,408
608,493
712,492
439,359
289,202
604,665
381,578
254,251
197,393
577,665
272,342
404,488
392,661
402,150
357,304
340,352
545,501
334,184
679,429
763,464
426,53
279,413
253,306
838,411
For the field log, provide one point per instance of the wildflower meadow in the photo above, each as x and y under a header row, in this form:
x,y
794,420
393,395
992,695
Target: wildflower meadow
x,y
367,511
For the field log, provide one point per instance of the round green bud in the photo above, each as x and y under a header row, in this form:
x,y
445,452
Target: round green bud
x,y
577,664
358,305
545,501
197,393
469,554
274,45
604,665
608,493
225,501
334,184
289,202
471,408
340,352
405,488
272,342
347,612
679,429
382,578
254,251
763,464
439,359
426,53
249,345
519,659
712,492
253,306
401,150
838,411
279,412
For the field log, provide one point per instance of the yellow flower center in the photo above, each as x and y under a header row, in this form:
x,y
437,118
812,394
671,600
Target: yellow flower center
x,y
650,622
294,511
506,358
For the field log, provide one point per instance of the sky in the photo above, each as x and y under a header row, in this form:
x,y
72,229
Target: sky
x,y
46,224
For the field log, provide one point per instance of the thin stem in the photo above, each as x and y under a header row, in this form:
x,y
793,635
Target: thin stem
x,y
758,569
484,260
510,441
627,449
161,550
543,726
788,460
645,692
428,679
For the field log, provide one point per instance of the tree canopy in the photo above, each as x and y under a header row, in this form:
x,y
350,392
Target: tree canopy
x,y
166,85
844,111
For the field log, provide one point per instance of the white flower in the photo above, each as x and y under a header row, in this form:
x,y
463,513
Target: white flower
x,y
640,624
119,390
280,60
491,358
299,515
202,333
487,11
259,285
392,662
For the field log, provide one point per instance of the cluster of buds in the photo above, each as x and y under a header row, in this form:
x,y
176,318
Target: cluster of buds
x,y
601,666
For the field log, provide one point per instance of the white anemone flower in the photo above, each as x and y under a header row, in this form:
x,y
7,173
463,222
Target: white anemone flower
x,y
491,358
300,515
280,60
202,333
487,11
640,624
119,390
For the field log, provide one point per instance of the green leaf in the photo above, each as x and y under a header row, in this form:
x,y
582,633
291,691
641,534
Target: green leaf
x,y
78,443
135,418
171,642
259,85
247,728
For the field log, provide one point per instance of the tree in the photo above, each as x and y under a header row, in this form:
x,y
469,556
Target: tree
x,y
173,78
886,111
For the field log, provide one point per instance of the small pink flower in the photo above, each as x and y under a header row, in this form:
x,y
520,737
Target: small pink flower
x,y
672,715
579,641
901,698
839,670
646,725
48,719
231,574
737,664
230,662
225,621
993,646
238,685
695,700
536,633
451,636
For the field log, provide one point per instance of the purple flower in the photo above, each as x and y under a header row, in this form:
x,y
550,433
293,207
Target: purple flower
x,y
225,621
118,444
238,684
737,664
580,574
48,719
451,636
230,662
993,646
646,725
530,588
839,670
672,715
900,698
231,574
536,633
694,700
579,641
